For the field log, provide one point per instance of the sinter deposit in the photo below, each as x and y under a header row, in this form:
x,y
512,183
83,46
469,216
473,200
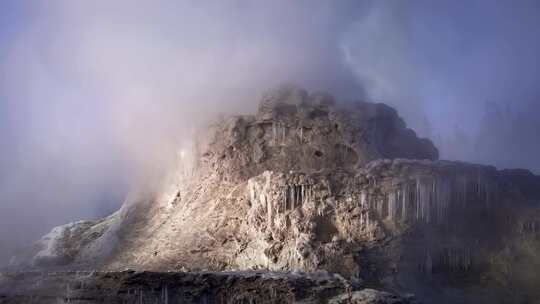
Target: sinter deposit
x,y
308,185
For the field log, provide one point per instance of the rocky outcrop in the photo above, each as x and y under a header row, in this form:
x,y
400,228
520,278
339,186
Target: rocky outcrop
x,y
196,288
76,244
367,296
309,184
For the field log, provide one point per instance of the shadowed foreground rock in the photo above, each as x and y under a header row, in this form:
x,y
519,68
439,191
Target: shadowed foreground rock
x,y
186,288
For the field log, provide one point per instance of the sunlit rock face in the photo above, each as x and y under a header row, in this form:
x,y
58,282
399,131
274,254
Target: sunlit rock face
x,y
309,184
294,131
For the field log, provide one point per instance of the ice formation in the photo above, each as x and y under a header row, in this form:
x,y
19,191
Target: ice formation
x,y
306,184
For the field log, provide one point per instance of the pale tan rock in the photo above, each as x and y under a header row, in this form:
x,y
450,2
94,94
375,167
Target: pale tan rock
x,y
308,184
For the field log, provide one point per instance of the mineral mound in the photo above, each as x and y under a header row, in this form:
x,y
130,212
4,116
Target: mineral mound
x,y
307,184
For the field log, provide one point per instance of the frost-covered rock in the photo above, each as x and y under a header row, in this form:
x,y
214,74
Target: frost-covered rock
x,y
308,184
370,296
56,245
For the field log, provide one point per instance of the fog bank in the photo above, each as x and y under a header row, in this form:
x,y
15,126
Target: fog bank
x,y
95,95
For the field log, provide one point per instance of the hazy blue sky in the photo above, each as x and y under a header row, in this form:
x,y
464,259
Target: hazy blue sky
x,y
92,93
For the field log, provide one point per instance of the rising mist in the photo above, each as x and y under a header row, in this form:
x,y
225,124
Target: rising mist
x,y
95,96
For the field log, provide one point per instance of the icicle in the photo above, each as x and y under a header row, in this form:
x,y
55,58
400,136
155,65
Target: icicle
x,y
448,199
423,200
329,189
363,199
298,195
269,212
434,203
165,294
279,132
291,200
274,133
251,191
428,264
419,200
465,182
295,197
68,292
302,194
82,284
391,200
444,198
487,194
283,202
397,203
479,186
427,192
389,206
404,205
440,200
367,221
